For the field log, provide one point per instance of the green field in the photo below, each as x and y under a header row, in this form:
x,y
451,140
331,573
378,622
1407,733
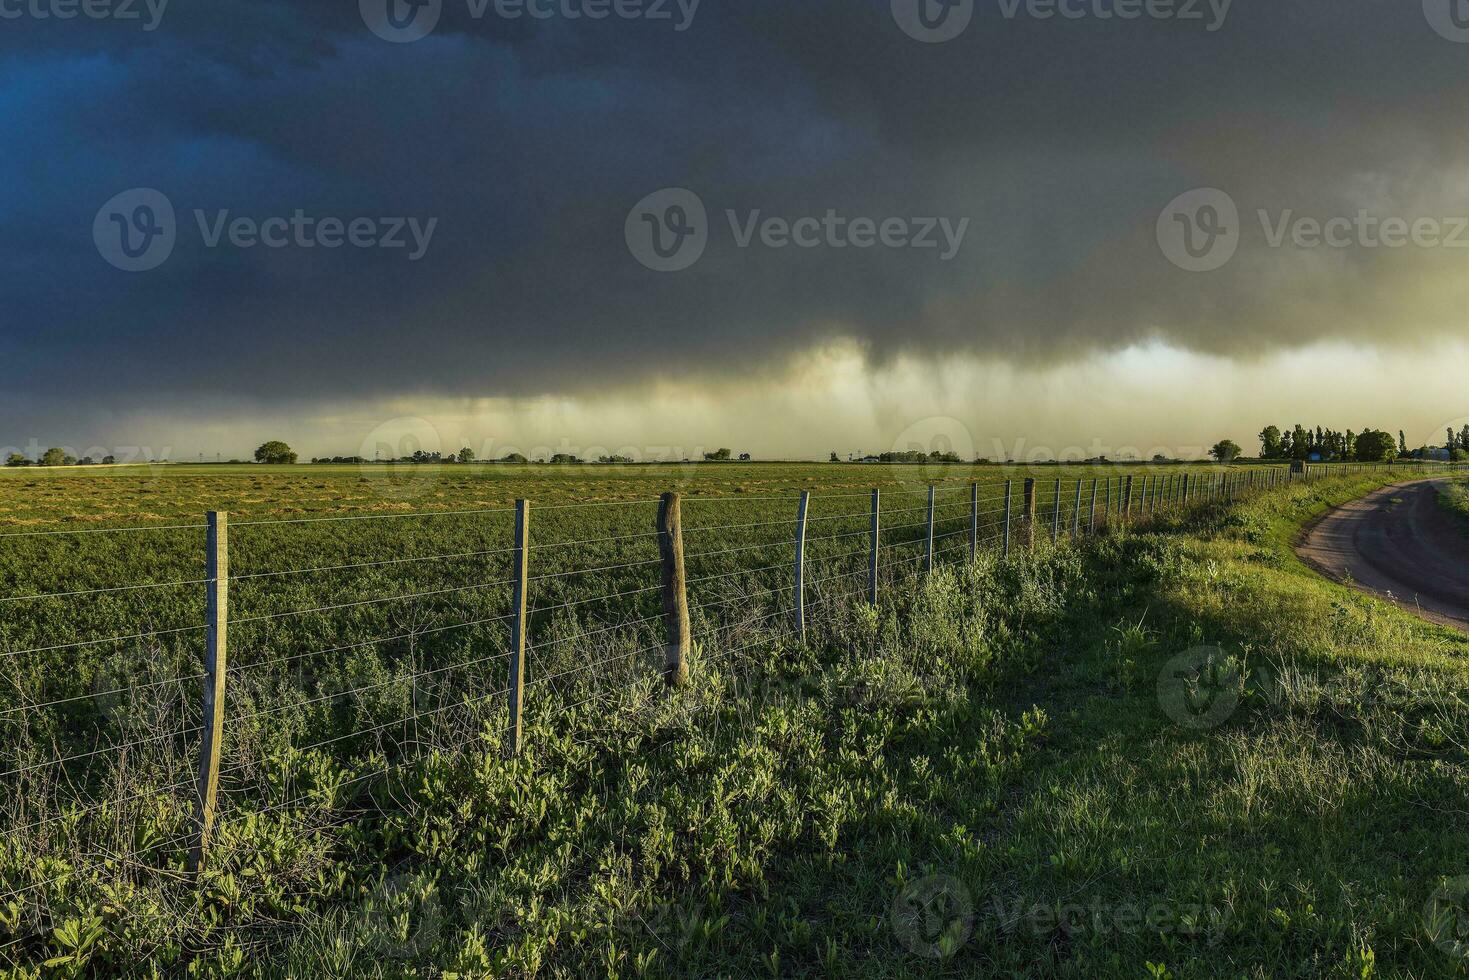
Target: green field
x,y
990,741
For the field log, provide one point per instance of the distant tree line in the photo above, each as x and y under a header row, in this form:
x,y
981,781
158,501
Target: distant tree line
x,y
278,452
56,457
1302,443
918,456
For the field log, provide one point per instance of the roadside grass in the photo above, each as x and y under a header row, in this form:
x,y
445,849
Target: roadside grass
x,y
978,777
1454,497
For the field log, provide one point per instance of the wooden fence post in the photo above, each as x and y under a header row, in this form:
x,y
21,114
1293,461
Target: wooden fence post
x,y
928,536
1127,500
872,558
675,591
1091,526
1006,548
217,606
518,597
1076,513
801,564
1029,517
1107,511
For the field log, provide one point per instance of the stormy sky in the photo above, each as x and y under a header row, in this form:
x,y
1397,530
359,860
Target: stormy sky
x,y
1144,222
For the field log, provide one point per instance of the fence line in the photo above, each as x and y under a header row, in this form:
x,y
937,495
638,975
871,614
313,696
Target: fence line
x,y
1076,509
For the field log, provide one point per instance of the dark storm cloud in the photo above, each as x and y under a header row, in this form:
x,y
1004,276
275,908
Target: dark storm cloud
x,y
529,141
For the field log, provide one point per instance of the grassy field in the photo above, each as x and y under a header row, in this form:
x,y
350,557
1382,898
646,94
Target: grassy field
x,y
1008,769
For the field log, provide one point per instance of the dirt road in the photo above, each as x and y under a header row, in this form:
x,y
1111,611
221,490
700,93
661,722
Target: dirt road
x,y
1399,544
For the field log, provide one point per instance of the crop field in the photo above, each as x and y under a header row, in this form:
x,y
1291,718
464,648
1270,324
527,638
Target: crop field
x,y
369,823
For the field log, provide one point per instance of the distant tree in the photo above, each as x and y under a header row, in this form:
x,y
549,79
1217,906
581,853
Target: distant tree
x,y
16,459
1226,451
1300,442
1402,443
514,458
744,457
564,458
718,456
1459,456
1270,445
1464,438
109,460
53,457
466,455
1375,446
834,457
1453,442
275,453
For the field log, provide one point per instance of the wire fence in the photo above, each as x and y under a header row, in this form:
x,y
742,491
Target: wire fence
x,y
294,665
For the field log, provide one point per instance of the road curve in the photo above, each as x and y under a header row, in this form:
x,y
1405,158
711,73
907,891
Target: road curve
x,y
1398,544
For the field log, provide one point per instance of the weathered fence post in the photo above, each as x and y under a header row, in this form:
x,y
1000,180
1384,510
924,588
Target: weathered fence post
x,y
1006,547
1091,526
217,613
872,557
1029,517
928,536
1107,511
1127,500
973,521
1076,513
518,589
800,597
675,591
